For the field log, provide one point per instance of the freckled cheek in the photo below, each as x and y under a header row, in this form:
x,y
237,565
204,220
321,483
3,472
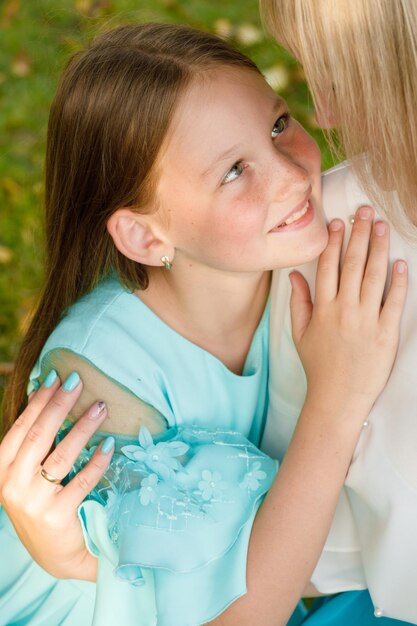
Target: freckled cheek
x,y
305,150
310,152
245,216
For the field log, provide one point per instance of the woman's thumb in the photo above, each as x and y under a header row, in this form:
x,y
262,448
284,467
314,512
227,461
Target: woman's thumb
x,y
300,305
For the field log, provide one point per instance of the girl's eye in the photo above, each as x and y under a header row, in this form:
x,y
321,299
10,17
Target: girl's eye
x,y
233,173
280,125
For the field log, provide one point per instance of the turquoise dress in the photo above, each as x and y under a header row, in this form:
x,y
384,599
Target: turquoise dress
x,y
28,595
170,521
351,608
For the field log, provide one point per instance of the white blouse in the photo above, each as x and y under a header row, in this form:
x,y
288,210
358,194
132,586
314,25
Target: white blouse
x,y
373,539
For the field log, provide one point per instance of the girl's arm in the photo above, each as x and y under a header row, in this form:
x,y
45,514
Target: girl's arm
x,y
347,343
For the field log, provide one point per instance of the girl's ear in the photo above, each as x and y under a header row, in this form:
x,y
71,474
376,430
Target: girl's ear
x,y
138,237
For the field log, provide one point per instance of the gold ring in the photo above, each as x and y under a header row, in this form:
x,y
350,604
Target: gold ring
x,y
48,477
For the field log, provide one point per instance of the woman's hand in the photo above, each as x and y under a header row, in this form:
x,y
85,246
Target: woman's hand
x,y
348,339
44,513
347,342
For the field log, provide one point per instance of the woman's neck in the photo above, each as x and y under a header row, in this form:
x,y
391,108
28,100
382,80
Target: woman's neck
x,y
218,312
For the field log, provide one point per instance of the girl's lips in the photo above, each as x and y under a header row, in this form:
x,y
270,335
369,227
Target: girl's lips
x,y
297,224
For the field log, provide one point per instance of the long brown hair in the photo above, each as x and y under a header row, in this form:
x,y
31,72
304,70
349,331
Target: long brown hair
x,y
360,61
108,120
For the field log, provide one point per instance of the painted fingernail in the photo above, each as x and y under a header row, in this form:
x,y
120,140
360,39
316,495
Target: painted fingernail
x,y
364,212
97,410
71,383
401,267
335,225
50,379
108,445
380,229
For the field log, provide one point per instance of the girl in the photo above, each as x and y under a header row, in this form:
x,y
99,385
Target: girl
x,y
174,170
360,60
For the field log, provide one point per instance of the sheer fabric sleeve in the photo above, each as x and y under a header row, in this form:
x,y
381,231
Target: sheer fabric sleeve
x,y
171,523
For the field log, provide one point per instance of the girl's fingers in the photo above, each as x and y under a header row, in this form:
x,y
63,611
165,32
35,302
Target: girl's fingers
x,y
394,302
41,434
300,305
62,458
327,279
17,433
73,494
356,255
376,268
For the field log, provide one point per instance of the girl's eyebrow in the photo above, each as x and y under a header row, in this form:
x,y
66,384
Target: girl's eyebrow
x,y
278,104
222,157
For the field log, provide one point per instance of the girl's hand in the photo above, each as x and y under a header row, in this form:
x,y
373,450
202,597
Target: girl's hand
x,y
348,339
44,513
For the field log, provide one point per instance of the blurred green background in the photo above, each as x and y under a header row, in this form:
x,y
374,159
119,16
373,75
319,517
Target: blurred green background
x,y
36,39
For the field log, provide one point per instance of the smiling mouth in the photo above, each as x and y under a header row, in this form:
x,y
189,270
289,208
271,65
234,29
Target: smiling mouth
x,y
297,219
295,216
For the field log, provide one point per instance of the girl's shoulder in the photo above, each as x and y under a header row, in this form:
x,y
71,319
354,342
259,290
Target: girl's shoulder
x,y
103,316
110,331
96,307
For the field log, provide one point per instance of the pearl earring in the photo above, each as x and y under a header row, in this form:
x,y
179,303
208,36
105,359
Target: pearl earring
x,y
165,260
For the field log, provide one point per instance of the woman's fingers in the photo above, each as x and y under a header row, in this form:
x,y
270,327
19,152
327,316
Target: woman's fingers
x,y
327,280
80,486
394,302
356,256
62,458
376,268
41,435
17,433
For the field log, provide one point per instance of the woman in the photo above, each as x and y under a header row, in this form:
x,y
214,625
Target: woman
x,y
360,61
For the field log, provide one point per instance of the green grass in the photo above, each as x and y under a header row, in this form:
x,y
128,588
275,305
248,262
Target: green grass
x,y
37,37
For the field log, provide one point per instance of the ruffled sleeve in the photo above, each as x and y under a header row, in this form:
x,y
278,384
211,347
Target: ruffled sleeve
x,y
172,521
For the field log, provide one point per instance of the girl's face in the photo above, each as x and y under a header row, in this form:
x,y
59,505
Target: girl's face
x,y
239,179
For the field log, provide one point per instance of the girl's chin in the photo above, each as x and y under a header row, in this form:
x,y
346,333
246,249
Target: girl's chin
x,y
320,243
312,248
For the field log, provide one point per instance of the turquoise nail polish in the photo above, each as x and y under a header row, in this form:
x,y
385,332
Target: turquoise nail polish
x,y
107,445
71,382
50,379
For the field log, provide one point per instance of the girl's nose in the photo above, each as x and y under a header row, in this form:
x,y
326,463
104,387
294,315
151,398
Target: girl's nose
x,y
288,177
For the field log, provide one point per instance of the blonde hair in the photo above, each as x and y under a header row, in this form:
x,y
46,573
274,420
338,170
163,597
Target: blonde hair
x,y
360,61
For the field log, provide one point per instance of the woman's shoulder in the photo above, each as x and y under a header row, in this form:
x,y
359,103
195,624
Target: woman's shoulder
x,y
337,178
342,193
340,170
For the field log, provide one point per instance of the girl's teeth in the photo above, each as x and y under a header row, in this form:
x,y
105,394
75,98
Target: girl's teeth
x,y
296,216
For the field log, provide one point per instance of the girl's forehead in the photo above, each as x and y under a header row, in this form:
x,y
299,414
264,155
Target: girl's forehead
x,y
224,92
220,114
